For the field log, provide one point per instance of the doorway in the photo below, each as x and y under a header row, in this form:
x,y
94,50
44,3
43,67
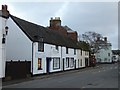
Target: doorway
x,y
86,62
48,65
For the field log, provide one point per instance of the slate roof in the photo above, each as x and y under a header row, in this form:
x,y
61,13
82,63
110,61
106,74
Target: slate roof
x,y
35,32
68,29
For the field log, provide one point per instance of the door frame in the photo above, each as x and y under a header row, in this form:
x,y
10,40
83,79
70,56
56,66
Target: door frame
x,y
48,59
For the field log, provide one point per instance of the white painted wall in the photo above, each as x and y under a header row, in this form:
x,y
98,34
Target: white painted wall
x,y
19,46
37,55
87,56
83,58
81,61
103,53
70,55
49,51
2,47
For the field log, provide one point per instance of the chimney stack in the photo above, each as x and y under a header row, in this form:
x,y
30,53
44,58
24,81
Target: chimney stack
x,y
54,22
73,35
4,8
4,11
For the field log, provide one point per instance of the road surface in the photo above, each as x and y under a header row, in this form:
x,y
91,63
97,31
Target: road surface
x,y
101,76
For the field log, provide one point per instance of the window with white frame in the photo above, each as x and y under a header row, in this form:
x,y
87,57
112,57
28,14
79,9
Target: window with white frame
x,y
56,63
40,47
67,62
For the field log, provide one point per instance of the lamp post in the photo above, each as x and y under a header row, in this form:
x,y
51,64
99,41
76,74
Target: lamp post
x,y
6,30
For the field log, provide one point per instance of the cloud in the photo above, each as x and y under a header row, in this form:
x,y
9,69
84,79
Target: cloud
x,y
101,17
62,11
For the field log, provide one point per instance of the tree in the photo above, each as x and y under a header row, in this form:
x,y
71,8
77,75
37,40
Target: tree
x,y
96,41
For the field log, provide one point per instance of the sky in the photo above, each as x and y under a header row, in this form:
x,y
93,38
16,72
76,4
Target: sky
x,y
101,17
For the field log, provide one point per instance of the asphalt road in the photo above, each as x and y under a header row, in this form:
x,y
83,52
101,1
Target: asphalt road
x,y
101,76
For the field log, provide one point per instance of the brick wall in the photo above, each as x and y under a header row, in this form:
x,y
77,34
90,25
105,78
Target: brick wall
x,y
72,35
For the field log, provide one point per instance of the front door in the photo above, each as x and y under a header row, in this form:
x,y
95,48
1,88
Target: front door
x,y
86,62
48,65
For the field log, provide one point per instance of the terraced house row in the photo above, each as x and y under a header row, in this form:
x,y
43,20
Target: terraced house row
x,y
28,48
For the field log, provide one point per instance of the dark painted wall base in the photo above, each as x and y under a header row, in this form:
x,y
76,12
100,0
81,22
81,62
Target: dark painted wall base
x,y
17,70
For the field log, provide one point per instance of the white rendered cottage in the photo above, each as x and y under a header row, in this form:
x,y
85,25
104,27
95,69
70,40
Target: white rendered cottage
x,y
104,54
47,50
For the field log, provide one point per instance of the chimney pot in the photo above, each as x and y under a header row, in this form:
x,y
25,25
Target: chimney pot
x,y
5,7
57,18
55,22
2,7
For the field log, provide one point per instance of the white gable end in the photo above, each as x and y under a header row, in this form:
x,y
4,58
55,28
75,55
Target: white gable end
x,y
19,46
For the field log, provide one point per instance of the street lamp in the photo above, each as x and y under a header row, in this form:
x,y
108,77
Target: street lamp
x,y
6,30
3,39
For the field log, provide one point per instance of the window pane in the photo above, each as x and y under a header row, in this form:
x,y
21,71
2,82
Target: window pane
x,y
71,62
67,62
39,63
40,46
56,63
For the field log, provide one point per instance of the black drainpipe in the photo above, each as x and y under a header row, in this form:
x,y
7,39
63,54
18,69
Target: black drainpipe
x,y
32,58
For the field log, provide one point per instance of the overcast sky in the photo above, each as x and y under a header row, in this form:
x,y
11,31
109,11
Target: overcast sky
x,y
101,17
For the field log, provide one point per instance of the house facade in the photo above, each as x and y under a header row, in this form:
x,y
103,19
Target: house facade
x,y
104,54
4,15
45,48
